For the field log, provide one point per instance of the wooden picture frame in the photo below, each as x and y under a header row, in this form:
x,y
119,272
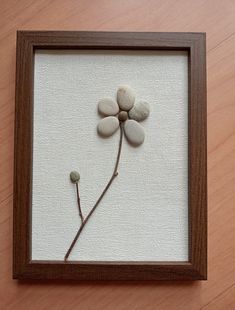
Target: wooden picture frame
x,y
196,267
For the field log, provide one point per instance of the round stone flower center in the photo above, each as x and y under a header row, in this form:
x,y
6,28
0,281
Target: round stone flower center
x,y
122,116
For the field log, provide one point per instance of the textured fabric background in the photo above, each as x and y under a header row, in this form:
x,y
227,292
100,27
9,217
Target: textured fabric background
x,y
144,215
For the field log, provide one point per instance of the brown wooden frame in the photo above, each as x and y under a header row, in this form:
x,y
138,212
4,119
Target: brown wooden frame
x,y
196,267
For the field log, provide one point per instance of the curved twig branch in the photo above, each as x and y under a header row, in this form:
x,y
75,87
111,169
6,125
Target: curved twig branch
x,y
79,204
114,174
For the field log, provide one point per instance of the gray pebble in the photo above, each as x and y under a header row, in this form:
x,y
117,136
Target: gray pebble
x,y
125,98
107,126
140,111
74,176
107,106
134,132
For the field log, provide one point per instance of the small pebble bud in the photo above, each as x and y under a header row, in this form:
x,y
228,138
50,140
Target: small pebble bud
x,y
74,176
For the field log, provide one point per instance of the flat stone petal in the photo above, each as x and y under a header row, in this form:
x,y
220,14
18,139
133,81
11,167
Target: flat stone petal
x,y
107,126
134,132
125,98
140,111
107,106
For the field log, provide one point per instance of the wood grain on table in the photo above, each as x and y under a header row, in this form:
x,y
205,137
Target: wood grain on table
x,y
217,19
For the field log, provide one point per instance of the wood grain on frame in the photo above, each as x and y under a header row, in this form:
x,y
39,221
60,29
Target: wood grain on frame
x,y
196,267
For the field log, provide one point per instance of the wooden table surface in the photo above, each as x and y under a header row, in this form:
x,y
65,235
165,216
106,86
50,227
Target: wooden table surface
x,y
217,19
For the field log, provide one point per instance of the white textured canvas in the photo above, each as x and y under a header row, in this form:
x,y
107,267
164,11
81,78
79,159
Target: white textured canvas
x,y
144,215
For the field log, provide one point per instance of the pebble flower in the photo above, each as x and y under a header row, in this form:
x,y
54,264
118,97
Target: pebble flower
x,y
126,112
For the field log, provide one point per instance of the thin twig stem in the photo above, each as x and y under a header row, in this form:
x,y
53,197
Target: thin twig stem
x,y
79,204
114,174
